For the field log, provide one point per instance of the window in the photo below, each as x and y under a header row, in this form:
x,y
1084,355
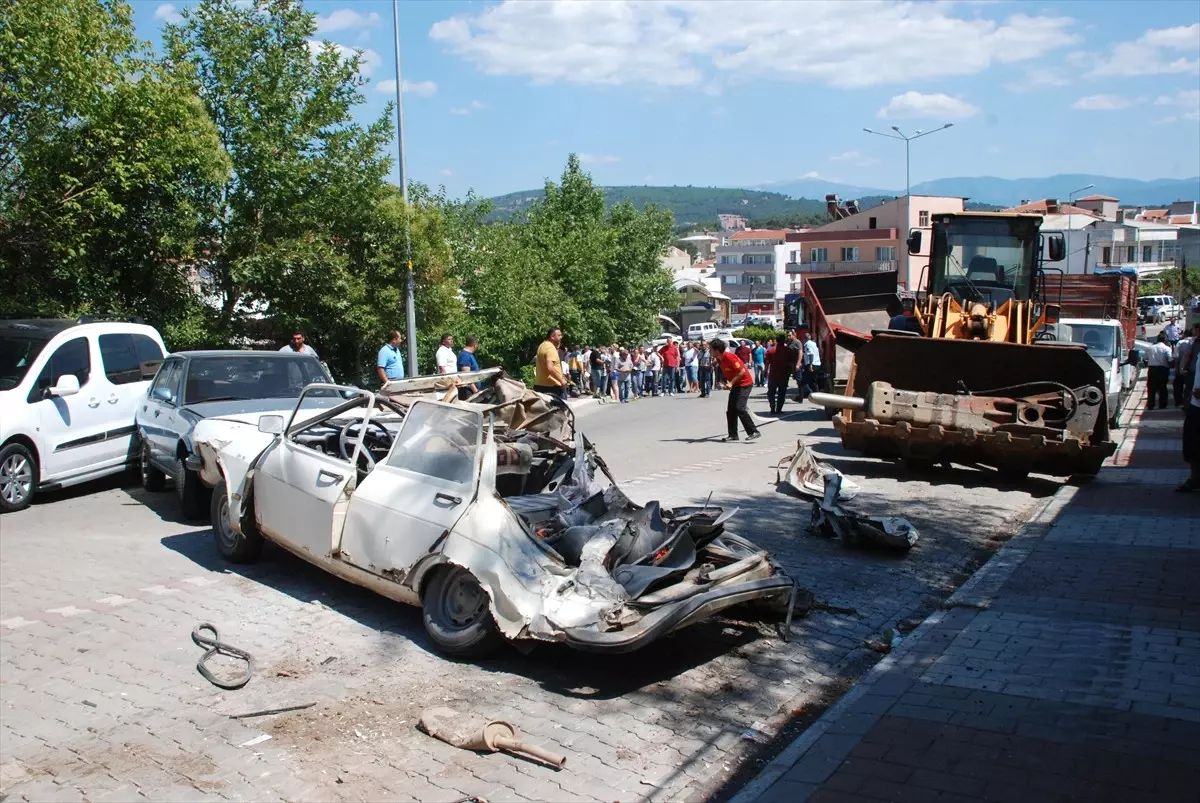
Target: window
x,y
871,223
818,255
1131,253
849,254
71,357
1106,255
731,278
438,442
885,253
795,256
1147,253
17,353
923,218
168,379
726,259
254,375
129,358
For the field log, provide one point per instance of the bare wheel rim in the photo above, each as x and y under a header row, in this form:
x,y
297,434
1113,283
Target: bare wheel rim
x,y
16,479
223,527
463,601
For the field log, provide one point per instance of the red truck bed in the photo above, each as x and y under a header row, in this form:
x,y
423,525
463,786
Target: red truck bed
x,y
1097,296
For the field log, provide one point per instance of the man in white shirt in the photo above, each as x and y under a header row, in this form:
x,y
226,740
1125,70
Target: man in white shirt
x,y
298,345
812,375
1171,330
1183,361
1158,357
445,358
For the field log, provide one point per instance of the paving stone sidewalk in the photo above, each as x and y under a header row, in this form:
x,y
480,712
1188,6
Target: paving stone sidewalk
x,y
1067,669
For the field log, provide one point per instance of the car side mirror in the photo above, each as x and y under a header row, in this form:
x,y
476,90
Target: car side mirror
x,y
162,395
270,424
67,385
914,241
1056,249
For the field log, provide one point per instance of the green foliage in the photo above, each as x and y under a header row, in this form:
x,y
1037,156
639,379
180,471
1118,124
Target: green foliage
x,y
763,333
104,157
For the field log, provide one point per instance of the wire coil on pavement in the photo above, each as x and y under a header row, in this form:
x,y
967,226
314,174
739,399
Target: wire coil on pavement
x,y
214,646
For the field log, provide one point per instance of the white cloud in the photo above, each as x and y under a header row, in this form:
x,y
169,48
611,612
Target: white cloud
x,y
1038,78
167,13
347,19
445,171
855,158
422,89
597,159
368,60
1156,52
841,44
1187,101
919,106
845,157
811,174
1102,103
474,106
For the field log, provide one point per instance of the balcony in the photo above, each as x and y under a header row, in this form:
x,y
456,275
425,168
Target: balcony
x,y
841,267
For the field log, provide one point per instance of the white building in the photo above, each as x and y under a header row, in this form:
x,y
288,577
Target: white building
x,y
676,259
752,267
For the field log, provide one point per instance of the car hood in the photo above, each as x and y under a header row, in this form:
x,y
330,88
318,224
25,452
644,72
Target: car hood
x,y
247,411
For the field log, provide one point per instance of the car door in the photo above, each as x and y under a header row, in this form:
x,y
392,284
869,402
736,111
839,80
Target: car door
x,y
129,362
300,493
157,413
74,427
414,497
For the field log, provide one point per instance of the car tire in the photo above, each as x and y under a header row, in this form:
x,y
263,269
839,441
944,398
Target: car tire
x,y
234,546
18,477
153,480
191,492
457,614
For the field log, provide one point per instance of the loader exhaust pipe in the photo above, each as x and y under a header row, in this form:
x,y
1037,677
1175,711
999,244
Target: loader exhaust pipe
x,y
837,401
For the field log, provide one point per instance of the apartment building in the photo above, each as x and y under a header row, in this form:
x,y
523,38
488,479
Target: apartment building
x,y
873,239
751,266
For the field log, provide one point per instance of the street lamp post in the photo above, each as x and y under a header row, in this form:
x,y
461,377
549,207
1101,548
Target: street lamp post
x,y
1070,209
410,311
907,147
907,175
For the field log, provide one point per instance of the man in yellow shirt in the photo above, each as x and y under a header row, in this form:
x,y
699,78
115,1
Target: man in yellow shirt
x,y
547,370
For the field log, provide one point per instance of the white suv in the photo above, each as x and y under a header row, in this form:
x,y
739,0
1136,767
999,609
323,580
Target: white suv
x,y
68,391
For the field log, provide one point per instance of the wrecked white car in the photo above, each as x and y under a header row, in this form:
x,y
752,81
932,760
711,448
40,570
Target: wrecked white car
x,y
490,513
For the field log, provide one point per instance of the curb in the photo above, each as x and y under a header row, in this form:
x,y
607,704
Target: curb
x,y
977,593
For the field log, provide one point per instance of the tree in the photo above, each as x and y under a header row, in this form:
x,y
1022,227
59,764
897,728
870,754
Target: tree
x,y
104,158
689,247
298,220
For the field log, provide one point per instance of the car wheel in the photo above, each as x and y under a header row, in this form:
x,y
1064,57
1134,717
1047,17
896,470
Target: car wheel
x,y
457,616
153,480
18,477
234,546
190,490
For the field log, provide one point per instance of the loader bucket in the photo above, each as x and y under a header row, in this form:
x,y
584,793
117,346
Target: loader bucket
x,y
939,366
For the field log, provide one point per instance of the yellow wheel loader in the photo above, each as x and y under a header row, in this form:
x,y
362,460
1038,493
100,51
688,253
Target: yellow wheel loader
x,y
965,373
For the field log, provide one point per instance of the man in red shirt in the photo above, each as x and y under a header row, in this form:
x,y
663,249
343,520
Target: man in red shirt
x,y
743,352
670,357
781,364
740,382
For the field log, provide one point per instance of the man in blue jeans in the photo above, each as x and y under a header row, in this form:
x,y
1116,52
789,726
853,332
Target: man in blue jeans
x,y
760,363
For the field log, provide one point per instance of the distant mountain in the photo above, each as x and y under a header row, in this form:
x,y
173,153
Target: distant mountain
x,y
693,206
1010,192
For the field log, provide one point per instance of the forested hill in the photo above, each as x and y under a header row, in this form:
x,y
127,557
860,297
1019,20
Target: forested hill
x,y
698,207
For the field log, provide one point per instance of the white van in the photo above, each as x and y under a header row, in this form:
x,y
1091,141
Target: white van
x,y
703,331
67,396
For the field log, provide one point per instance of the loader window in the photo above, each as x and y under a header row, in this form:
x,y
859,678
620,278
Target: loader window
x,y
989,259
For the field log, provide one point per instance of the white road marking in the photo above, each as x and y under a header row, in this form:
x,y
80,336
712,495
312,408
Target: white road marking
x,y
15,622
115,600
69,610
200,581
160,590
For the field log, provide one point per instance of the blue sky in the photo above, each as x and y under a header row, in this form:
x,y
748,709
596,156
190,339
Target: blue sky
x,y
744,93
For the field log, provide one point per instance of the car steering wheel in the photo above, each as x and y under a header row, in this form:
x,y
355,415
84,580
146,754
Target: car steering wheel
x,y
351,431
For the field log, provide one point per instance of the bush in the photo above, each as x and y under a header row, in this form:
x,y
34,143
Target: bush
x,y
527,373
763,333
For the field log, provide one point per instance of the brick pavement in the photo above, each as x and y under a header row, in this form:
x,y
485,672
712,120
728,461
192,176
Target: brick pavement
x,y
1067,669
100,700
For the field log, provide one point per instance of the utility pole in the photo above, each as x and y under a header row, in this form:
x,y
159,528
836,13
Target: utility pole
x,y
1070,209
410,304
907,177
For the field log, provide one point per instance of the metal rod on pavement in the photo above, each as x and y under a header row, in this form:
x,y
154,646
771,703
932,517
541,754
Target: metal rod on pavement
x,y
410,311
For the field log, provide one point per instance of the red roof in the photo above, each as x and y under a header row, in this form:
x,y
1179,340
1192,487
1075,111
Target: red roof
x,y
1180,220
1099,198
1040,207
759,234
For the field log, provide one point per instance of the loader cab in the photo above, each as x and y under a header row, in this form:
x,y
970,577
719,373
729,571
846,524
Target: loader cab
x,y
984,258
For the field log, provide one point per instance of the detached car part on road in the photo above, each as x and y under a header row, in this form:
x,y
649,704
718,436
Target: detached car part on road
x,y
492,514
